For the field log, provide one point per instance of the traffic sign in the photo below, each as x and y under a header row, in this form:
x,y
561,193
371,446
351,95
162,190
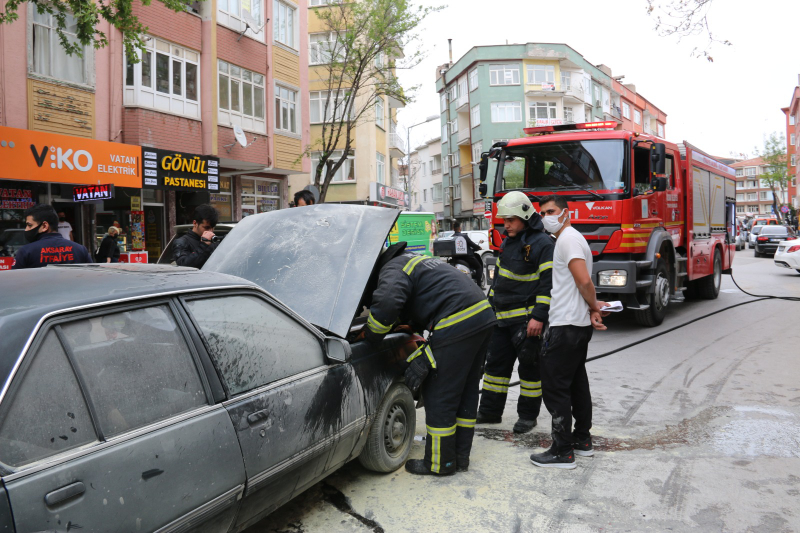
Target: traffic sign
x,y
784,209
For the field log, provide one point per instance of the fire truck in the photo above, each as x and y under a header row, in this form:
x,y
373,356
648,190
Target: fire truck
x,y
659,217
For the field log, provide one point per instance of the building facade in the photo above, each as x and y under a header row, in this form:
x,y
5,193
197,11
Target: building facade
x,y
493,92
792,117
753,195
425,181
223,85
377,145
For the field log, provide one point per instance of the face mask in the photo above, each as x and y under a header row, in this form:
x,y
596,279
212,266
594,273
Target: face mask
x,y
31,235
62,219
551,222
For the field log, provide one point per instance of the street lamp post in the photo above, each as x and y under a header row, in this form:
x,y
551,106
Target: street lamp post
x,y
408,146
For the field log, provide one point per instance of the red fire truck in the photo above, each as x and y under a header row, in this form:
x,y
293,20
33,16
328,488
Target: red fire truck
x,y
659,217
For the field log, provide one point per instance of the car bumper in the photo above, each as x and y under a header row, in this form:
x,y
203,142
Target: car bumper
x,y
767,248
785,260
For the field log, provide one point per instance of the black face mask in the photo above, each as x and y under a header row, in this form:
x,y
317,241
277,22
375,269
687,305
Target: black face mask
x,y
32,235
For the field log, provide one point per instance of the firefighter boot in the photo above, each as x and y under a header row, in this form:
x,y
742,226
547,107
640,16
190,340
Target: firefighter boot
x,y
418,468
462,463
524,426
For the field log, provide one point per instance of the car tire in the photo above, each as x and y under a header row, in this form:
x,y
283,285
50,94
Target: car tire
x,y
659,300
466,268
392,432
708,287
755,253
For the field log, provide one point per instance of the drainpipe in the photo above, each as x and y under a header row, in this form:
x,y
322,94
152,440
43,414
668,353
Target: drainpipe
x,y
449,136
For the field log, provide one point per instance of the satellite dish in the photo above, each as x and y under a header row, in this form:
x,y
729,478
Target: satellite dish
x,y
314,191
238,132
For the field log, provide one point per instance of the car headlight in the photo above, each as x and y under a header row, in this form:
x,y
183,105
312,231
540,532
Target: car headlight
x,y
612,278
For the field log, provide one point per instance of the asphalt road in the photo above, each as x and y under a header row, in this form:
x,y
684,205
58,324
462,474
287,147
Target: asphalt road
x,y
698,429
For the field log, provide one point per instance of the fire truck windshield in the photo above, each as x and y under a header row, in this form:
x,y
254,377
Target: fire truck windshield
x,y
596,167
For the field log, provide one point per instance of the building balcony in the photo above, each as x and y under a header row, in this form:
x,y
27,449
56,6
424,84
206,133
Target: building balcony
x,y
465,171
463,135
397,148
573,94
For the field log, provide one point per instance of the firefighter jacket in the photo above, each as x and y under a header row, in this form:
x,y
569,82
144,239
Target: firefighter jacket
x,y
428,295
191,252
50,249
524,276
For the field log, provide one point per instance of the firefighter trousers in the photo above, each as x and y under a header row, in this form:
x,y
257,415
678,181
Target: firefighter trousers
x,y
451,400
503,352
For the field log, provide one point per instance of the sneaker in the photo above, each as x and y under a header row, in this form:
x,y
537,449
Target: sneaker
x,y
488,419
417,467
548,460
462,463
584,448
524,426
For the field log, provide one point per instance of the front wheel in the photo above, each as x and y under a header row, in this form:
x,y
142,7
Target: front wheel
x,y
708,287
659,300
389,440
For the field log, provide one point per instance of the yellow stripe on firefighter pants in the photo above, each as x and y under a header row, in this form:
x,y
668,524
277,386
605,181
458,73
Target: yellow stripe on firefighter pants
x,y
495,384
531,389
470,311
376,327
466,422
436,435
419,351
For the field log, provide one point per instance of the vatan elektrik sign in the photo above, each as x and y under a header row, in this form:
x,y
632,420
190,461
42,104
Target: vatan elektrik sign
x,y
178,171
86,193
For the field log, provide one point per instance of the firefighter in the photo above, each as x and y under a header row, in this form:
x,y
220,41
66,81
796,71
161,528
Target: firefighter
x,y
428,294
520,295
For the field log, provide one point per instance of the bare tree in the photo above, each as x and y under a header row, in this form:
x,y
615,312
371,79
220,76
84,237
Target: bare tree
x,y
777,173
367,41
685,18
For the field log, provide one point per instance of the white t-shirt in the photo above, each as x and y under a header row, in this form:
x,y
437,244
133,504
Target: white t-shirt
x,y
64,228
567,306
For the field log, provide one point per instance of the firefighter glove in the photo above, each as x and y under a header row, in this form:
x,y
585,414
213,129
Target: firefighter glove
x,y
416,373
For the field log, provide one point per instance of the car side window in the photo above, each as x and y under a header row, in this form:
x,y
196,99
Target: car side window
x,y
136,366
47,413
252,342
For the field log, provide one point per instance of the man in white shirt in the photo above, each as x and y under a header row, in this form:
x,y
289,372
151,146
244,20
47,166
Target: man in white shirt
x,y
574,312
64,227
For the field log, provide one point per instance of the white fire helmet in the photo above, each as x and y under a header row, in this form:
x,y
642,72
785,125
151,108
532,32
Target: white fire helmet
x,y
515,204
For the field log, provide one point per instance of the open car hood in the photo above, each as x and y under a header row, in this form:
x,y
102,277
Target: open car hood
x,y
316,259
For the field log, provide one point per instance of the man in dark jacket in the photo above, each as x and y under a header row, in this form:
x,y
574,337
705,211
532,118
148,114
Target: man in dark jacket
x,y
46,245
108,252
520,295
431,295
195,247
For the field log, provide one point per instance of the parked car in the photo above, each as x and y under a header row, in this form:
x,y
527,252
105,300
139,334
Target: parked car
x,y
751,239
788,254
767,241
10,241
154,397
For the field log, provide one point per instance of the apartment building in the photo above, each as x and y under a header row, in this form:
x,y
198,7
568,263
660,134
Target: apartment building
x,y
377,147
792,114
425,178
493,92
753,194
213,112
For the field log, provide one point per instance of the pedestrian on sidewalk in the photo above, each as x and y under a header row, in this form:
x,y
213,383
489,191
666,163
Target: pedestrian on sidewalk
x,y
195,247
574,312
520,295
46,246
108,252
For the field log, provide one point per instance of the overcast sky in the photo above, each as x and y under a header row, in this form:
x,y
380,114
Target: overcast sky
x,y
721,107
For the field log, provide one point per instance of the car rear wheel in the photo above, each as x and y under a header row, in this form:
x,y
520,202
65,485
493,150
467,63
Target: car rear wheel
x,y
389,440
756,253
708,287
658,300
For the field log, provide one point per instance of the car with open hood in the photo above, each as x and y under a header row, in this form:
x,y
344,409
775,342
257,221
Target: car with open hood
x,y
162,398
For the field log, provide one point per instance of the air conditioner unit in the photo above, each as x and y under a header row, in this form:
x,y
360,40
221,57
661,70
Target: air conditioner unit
x,y
597,103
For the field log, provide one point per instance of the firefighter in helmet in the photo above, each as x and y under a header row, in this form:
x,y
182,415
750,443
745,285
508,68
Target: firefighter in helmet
x,y
520,295
432,296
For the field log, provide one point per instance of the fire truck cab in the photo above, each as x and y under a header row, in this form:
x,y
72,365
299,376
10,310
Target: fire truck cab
x,y
659,217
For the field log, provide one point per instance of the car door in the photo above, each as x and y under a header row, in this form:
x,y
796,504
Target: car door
x,y
296,416
109,426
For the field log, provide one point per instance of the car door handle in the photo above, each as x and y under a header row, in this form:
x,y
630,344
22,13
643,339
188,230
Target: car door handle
x,y
258,416
64,493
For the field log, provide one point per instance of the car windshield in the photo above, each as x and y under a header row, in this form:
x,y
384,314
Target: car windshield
x,y
572,165
446,234
774,230
757,229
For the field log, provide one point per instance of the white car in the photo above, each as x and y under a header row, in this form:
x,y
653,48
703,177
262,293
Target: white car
x,y
788,254
751,239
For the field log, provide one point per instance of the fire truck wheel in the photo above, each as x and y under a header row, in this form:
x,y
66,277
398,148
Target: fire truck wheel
x,y
708,287
658,300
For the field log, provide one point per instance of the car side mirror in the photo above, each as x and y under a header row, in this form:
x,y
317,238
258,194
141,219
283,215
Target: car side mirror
x,y
483,166
483,189
338,350
658,156
658,184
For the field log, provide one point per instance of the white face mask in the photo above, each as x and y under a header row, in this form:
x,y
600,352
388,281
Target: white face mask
x,y
551,222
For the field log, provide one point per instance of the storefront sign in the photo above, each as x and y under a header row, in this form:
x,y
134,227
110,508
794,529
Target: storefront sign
x,y
6,263
84,193
137,230
178,171
16,198
136,203
48,157
388,196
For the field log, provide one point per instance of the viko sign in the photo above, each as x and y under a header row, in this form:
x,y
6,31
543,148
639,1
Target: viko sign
x,y
164,169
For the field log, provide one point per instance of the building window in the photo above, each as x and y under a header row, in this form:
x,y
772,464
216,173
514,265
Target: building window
x,y
477,148
422,167
241,98
566,80
791,120
740,209
50,59
455,159
539,74
456,191
740,197
444,134
766,195
424,195
752,196
794,159
597,101
503,75
320,48
260,195
542,110
346,173
239,14
476,116
286,110
739,173
507,112
443,102
626,110
437,192
380,167
167,79
791,137
569,117
454,125
379,113
462,87
436,164
312,3
751,184
637,116
660,130
750,171
319,100
285,23
473,79
379,61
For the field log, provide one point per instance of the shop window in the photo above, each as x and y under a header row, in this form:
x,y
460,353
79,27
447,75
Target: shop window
x,y
241,98
346,173
286,111
48,57
241,14
222,200
167,78
260,195
286,21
